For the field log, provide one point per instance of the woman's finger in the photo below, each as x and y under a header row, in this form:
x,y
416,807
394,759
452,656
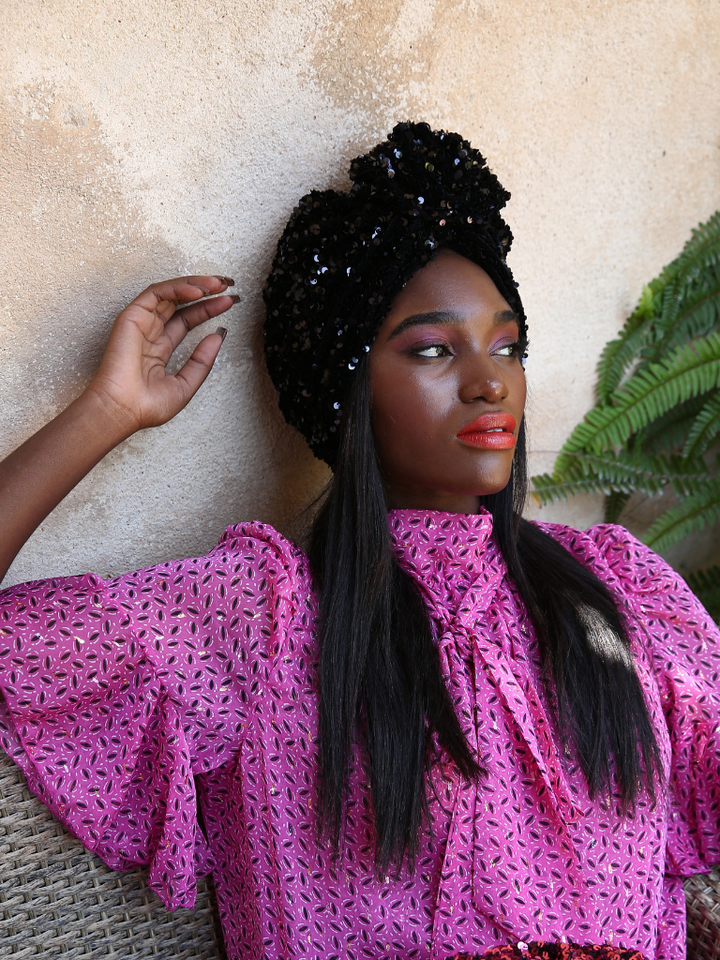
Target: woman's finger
x,y
191,376
195,314
180,290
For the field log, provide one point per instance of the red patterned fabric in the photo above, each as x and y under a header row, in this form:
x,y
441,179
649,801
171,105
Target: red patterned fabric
x,y
539,950
129,703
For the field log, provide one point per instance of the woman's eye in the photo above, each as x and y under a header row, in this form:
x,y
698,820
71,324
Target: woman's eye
x,y
432,351
507,350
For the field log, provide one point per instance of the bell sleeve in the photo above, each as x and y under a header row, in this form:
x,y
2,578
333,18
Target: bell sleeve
x,y
115,695
683,647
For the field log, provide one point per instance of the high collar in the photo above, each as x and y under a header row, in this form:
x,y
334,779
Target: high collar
x,y
482,647
446,552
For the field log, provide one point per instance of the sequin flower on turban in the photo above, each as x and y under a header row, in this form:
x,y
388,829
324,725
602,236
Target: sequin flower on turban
x,y
344,256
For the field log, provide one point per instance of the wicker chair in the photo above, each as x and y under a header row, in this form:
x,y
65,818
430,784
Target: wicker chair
x,y
703,906
58,900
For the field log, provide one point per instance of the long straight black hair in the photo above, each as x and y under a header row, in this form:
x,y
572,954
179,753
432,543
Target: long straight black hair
x,y
381,687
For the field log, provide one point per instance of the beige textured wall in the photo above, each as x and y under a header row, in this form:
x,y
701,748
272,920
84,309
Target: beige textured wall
x,y
154,138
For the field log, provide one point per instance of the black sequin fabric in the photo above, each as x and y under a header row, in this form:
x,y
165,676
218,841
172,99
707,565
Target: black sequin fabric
x,y
344,256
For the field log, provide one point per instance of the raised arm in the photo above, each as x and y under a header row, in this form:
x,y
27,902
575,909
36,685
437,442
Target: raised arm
x,y
130,391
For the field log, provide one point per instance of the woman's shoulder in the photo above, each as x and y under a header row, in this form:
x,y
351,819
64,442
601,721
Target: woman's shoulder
x,y
616,557
261,546
598,537
252,559
255,557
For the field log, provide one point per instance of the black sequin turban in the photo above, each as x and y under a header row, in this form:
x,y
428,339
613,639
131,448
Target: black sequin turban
x,y
343,257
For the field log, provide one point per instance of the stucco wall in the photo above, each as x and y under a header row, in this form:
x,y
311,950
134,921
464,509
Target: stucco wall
x,y
149,139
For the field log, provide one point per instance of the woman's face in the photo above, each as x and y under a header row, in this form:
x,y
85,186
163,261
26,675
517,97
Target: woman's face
x,y
448,388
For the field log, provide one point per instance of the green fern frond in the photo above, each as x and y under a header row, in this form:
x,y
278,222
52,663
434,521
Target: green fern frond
x,y
670,308
671,430
708,579
632,472
696,314
615,503
694,513
705,428
618,355
547,490
688,485
689,371
700,253
705,584
622,473
616,359
658,412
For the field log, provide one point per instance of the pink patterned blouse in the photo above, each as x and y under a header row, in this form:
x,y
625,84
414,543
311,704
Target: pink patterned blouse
x,y
136,704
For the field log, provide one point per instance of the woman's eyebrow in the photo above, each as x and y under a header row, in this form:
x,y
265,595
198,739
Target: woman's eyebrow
x,y
418,319
445,317
505,316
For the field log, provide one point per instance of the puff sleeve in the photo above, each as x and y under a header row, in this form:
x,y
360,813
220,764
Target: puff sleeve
x,y
683,647
116,694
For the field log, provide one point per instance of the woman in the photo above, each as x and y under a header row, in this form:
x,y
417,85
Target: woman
x,y
443,729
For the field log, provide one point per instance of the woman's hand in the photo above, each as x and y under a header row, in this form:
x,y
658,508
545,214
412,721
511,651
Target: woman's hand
x,y
132,382
132,389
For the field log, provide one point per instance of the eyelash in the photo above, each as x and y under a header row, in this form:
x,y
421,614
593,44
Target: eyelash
x,y
516,350
431,346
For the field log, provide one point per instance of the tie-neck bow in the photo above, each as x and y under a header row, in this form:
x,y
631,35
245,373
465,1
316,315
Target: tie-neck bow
x,y
483,636
447,553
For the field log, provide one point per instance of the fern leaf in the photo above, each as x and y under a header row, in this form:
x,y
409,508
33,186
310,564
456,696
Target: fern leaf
x,y
632,470
614,505
622,473
616,358
701,252
705,428
546,490
671,430
705,584
637,471
658,412
689,371
694,513
618,355
696,313
672,309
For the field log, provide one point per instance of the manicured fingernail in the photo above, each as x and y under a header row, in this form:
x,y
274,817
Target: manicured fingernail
x,y
235,298
226,280
222,331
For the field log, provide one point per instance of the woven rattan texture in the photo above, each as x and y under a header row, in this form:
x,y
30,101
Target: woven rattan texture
x,y
703,901
59,901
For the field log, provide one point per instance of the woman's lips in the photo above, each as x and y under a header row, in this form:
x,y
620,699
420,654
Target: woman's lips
x,y
491,431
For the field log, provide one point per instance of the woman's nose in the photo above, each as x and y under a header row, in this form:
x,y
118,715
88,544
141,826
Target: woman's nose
x,y
483,380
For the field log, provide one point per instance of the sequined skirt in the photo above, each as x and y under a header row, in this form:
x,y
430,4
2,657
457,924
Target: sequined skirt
x,y
552,950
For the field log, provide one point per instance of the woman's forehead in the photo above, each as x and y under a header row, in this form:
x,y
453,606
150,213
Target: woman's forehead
x,y
451,287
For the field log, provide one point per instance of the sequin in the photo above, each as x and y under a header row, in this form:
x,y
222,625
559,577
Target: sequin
x,y
411,195
559,950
